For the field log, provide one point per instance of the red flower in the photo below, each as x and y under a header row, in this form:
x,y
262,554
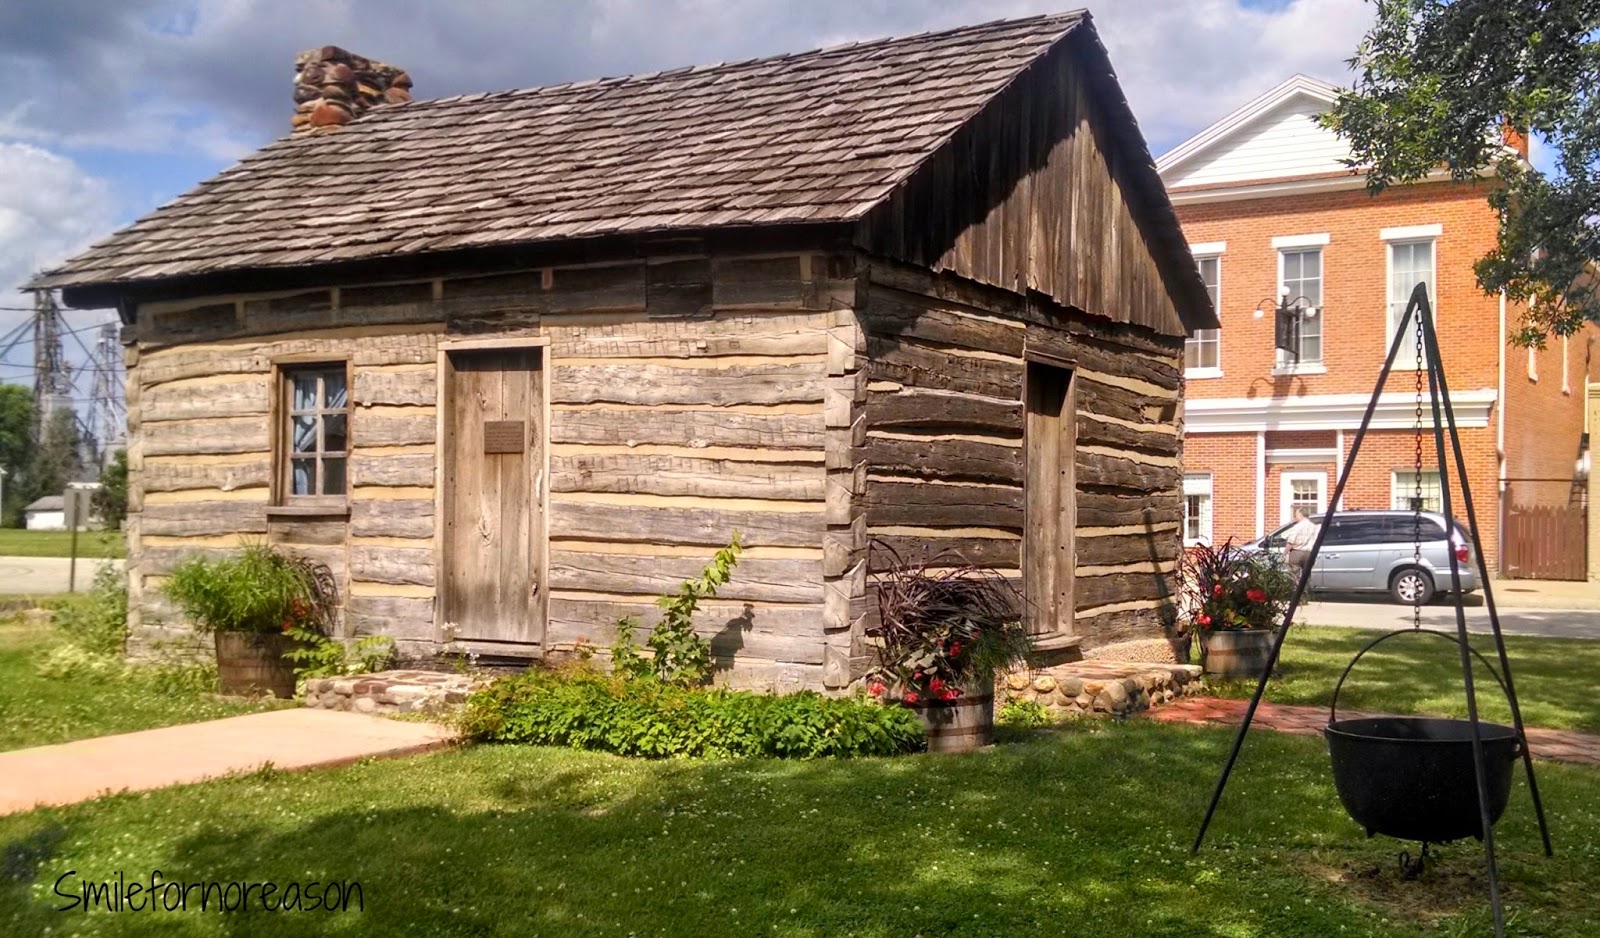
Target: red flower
x,y
950,694
1216,590
1204,620
917,676
1256,595
936,685
287,625
875,688
912,696
955,649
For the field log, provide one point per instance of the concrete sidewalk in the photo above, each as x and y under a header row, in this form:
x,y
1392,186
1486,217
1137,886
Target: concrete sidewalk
x,y
286,739
34,576
1545,594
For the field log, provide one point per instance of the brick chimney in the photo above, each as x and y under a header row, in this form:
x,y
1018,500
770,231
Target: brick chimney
x,y
333,86
1515,137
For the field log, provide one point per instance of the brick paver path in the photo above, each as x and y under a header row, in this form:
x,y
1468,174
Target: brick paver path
x,y
1560,745
287,739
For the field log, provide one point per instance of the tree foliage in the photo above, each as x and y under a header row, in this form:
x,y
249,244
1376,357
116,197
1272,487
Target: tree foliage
x,y
111,498
16,443
1437,82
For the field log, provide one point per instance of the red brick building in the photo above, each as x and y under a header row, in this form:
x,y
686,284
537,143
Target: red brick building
x,y
1266,206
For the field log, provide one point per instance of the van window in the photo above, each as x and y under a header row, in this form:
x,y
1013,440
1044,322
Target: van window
x,y
1351,530
1407,528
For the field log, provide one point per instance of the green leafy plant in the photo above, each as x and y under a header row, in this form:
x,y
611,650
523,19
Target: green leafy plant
x,y
96,621
1023,715
257,589
680,655
1227,588
584,709
944,626
318,655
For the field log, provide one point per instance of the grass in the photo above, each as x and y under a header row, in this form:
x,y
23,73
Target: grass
x,y
36,710
1555,677
1082,830
16,542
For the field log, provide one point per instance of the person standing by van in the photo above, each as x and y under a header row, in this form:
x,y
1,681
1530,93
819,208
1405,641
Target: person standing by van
x,y
1298,540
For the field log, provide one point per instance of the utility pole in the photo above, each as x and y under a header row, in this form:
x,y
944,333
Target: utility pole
x,y
52,383
107,425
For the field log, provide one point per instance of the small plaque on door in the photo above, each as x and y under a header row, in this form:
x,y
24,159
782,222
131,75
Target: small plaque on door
x,y
504,436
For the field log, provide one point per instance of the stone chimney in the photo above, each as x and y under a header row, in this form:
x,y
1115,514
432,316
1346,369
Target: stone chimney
x,y
333,87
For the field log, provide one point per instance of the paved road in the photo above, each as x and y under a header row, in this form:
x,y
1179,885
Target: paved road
x,y
32,576
1381,614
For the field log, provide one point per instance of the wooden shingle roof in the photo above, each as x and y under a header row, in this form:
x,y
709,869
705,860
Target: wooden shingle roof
x,y
819,136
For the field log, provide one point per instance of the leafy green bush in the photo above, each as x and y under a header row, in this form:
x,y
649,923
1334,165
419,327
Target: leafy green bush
x,y
258,589
682,656
584,709
1023,715
96,621
317,655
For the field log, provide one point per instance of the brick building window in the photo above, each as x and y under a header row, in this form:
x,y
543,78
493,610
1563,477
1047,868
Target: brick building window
x,y
1410,263
1404,489
1202,351
1197,508
315,441
1300,272
1306,490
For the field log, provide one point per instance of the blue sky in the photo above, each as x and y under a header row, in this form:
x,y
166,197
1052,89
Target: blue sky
x,y
112,108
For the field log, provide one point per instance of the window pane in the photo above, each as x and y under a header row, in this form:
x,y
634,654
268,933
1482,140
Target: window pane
x,y
333,391
334,435
302,476
303,431
332,477
305,391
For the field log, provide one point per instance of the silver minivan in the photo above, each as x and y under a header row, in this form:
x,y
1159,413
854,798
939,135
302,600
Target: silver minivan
x,y
1376,552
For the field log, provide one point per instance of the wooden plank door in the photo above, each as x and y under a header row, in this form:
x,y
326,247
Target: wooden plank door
x,y
493,525
1048,548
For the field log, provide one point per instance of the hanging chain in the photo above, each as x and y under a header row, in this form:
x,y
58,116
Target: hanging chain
x,y
1416,474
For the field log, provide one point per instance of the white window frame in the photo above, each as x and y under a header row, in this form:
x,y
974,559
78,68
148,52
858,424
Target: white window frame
x,y
1391,238
1286,487
1300,244
1210,251
1400,495
1198,484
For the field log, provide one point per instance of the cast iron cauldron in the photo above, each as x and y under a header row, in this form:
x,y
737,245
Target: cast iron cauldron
x,y
1412,778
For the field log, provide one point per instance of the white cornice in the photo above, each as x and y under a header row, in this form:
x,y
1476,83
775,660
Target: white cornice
x,y
1296,85
1326,412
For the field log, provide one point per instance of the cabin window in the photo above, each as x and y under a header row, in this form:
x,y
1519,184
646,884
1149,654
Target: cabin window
x,y
316,432
1202,352
1300,274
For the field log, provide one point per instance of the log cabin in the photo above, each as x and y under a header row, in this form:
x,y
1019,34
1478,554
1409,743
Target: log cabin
x,y
514,364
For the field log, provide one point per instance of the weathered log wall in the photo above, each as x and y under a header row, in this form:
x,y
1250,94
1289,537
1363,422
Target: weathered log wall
x,y
688,399
943,449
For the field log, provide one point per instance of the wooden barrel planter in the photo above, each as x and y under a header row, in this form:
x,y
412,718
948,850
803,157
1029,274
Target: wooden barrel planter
x,y
252,663
959,725
1236,655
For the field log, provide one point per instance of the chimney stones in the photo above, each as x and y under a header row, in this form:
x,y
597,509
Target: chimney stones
x,y
333,86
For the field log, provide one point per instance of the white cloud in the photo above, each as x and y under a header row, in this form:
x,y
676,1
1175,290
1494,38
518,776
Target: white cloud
x,y
49,208
218,81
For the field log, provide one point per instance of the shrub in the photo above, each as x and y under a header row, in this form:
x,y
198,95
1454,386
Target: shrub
x,y
97,621
258,589
1228,588
584,709
681,655
944,625
1023,715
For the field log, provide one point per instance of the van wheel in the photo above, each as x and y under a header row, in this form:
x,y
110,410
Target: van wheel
x,y
1411,587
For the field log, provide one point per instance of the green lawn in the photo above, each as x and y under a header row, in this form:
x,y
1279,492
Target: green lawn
x,y
36,710
16,542
1078,831
1556,678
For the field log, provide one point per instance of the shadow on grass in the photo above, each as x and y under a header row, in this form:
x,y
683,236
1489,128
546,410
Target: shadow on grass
x,y
1083,830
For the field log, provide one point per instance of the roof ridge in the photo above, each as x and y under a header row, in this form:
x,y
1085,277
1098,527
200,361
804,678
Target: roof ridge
x,y
1067,18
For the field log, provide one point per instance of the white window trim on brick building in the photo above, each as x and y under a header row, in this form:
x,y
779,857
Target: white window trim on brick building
x,y
1299,244
1408,236
1197,487
1209,251
1286,486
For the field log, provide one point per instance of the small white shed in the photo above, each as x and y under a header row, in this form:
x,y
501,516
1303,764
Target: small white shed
x,y
46,514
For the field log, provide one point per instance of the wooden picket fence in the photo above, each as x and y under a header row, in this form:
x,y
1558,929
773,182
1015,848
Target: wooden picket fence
x,y
1546,543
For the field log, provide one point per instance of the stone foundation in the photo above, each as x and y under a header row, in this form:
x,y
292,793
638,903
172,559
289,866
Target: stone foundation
x,y
393,691
1118,688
